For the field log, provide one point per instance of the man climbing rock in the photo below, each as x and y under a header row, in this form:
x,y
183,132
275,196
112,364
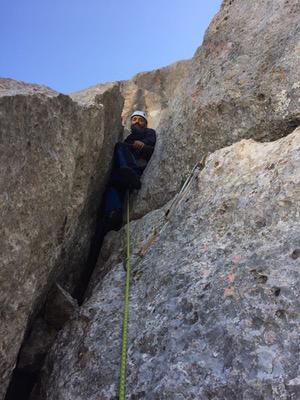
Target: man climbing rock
x,y
130,160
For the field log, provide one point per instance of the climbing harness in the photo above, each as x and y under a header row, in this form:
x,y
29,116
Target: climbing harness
x,y
122,382
155,234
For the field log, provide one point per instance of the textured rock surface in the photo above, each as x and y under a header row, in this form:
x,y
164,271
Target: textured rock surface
x,y
243,83
58,309
55,155
149,91
215,302
214,308
152,91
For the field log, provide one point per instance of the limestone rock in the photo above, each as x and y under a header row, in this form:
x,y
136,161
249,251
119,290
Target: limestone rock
x,y
214,302
243,83
60,307
152,91
149,91
214,305
55,156
89,96
11,87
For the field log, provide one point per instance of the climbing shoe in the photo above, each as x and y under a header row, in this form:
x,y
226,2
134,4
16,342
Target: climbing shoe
x,y
130,179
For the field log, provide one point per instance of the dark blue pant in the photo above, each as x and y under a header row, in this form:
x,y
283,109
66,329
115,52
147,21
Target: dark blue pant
x,y
125,156
116,188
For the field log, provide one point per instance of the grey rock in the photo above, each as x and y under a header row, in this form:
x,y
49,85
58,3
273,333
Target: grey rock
x,y
38,343
214,303
243,82
89,96
11,87
152,91
55,157
149,91
60,307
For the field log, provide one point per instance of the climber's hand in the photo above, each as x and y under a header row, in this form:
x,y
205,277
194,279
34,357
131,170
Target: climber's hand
x,y
138,145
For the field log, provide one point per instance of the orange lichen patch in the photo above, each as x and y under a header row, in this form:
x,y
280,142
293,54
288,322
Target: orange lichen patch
x,y
231,277
279,73
236,260
229,291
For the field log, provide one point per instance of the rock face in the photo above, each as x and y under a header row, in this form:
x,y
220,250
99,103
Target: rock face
x,y
55,156
214,306
149,91
214,302
243,83
56,153
152,91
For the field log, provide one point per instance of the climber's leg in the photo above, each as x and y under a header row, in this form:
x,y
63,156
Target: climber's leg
x,y
127,172
113,203
124,157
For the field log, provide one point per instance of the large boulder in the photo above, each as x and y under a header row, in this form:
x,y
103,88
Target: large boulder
x,y
55,157
150,91
214,304
243,82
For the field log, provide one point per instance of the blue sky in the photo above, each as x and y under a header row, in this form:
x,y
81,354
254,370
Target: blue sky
x,y
73,44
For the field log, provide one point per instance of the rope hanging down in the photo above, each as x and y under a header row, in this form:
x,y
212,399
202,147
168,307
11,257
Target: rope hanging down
x,y
126,307
178,199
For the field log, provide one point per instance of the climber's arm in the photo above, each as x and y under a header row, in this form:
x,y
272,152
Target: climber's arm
x,y
146,152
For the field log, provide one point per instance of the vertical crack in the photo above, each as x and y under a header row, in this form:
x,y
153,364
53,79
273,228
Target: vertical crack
x,y
59,307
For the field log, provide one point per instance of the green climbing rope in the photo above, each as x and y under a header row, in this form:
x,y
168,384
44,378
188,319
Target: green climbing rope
x,y
126,307
122,384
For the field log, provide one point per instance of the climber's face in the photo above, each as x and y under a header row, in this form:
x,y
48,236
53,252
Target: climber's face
x,y
138,121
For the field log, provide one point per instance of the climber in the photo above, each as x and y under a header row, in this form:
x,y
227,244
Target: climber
x,y
130,160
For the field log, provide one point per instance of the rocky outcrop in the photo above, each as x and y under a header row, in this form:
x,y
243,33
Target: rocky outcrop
x,y
55,157
56,154
214,302
243,83
150,91
58,309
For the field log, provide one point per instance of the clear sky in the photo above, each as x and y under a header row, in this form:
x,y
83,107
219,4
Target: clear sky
x,y
73,44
